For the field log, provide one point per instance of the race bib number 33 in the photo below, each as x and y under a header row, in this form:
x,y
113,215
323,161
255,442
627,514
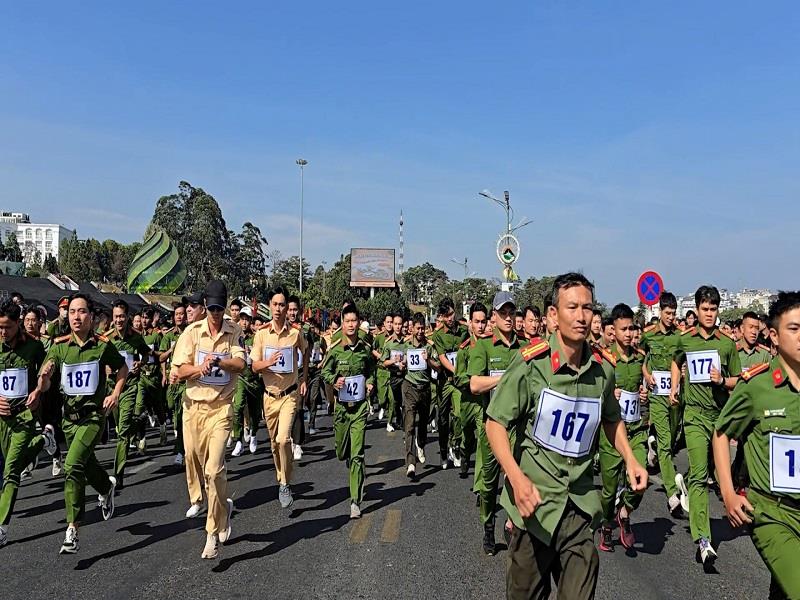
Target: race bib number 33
x,y
415,358
566,425
784,463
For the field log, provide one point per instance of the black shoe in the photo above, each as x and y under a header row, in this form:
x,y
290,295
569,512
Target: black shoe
x,y
488,539
464,473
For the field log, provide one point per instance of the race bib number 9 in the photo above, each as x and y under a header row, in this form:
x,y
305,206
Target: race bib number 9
x,y
285,355
663,381
217,376
14,383
354,389
629,407
566,425
699,364
784,463
80,379
416,360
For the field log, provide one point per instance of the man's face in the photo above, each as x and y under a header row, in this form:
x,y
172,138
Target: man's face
x,y
623,332
147,321
787,336
292,312
504,318
608,335
691,320
180,316
478,323
550,321
80,318
195,312
120,318
387,324
215,314
397,326
32,324
725,328
235,311
418,329
244,323
750,329
519,324
449,319
531,324
597,325
136,322
349,324
278,307
9,328
573,314
667,316
637,337
707,314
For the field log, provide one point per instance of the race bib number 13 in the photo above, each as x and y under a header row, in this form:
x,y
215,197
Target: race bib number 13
x,y
566,425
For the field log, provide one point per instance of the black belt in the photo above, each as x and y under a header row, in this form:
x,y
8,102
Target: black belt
x,y
80,414
285,392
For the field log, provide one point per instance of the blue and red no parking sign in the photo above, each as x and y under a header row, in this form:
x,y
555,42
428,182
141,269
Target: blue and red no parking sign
x,y
649,287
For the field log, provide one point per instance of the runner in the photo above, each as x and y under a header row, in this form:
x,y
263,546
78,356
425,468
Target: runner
x,y
531,324
383,373
209,356
249,392
596,328
316,385
149,399
393,358
175,388
472,406
293,314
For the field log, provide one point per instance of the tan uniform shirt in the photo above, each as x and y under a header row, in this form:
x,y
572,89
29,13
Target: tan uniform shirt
x,y
287,341
194,344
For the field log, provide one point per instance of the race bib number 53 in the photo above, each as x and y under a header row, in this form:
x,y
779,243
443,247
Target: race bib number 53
x,y
784,463
566,425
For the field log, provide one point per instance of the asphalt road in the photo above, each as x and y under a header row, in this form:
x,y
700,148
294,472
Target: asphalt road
x,y
415,539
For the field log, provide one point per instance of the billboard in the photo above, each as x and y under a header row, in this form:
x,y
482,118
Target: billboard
x,y
372,267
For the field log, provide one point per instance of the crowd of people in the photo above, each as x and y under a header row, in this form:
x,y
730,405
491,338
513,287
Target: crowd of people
x,y
534,402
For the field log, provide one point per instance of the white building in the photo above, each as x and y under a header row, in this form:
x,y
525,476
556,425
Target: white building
x,y
44,237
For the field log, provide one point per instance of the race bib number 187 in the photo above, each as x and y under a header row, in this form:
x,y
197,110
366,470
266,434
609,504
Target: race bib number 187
x,y
566,425
80,379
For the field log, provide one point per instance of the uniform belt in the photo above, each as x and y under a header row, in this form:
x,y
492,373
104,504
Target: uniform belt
x,y
779,500
283,393
80,414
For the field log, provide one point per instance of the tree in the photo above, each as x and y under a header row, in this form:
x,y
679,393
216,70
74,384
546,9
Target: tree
x,y
12,249
422,281
70,257
382,303
50,264
534,291
251,260
287,274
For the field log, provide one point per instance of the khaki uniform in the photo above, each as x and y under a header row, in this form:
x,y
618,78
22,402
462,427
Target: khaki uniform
x,y
281,395
208,414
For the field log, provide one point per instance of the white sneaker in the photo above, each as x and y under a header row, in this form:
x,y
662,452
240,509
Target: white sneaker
x,y
389,427
674,505
152,419
49,436
684,493
106,503
380,415
246,435
652,457
179,459
3,535
229,442
411,471
195,510
237,449
706,552
371,409
211,549
420,453
297,451
451,454
312,431
253,444
355,511
70,544
58,469
225,534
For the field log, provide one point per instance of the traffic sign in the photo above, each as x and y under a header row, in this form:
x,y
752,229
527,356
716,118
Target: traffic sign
x,y
649,287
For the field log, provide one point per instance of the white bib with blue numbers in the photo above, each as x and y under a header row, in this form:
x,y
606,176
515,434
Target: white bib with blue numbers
x,y
80,379
396,355
663,381
217,376
354,389
14,383
415,359
285,357
699,364
629,407
452,356
784,463
566,425
129,358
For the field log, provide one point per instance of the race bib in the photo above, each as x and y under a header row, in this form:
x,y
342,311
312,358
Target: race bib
x,y
629,407
217,376
14,383
129,358
80,379
354,389
495,373
452,356
566,425
784,463
299,359
663,381
316,355
285,355
699,364
397,355
415,359
152,358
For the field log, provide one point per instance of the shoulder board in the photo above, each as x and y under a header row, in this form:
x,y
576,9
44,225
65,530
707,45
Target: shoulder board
x,y
297,326
689,331
536,348
650,328
607,355
465,343
101,337
763,347
721,334
63,338
108,334
334,344
755,370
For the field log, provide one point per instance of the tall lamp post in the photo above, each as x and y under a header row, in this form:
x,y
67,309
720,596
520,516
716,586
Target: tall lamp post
x,y
462,263
302,163
508,245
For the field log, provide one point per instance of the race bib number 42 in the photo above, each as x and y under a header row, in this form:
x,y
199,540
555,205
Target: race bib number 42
x,y
663,381
566,425
784,463
699,364
629,407
80,379
14,383
354,389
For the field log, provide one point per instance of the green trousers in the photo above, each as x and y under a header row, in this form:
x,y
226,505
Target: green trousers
x,y
664,418
776,536
81,465
20,444
175,400
612,472
349,423
698,426
487,483
248,398
150,396
448,415
394,413
126,429
384,393
471,433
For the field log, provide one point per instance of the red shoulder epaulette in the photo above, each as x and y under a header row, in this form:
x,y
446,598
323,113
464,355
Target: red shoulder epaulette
x,y
296,325
465,343
650,328
63,338
608,356
763,347
536,348
101,337
754,370
720,334
690,330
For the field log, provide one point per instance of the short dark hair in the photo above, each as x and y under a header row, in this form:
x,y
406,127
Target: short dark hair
x,y
445,306
597,312
707,293
750,315
17,295
293,299
668,300
148,311
532,309
120,303
177,305
418,318
81,296
785,302
33,309
351,309
278,290
477,307
607,321
10,309
570,280
621,311
236,302
547,300
690,313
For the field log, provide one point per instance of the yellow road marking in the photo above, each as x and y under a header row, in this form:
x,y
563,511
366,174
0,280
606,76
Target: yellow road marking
x,y
391,527
360,530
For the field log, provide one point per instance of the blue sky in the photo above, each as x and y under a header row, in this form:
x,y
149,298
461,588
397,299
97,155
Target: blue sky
x,y
636,135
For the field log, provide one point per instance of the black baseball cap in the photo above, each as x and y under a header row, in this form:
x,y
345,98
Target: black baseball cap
x,y
196,298
216,294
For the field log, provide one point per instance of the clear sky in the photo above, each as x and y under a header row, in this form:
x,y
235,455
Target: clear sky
x,y
637,135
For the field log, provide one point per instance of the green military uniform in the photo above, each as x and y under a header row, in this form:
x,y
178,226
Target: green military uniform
x,y
765,411
394,344
446,341
490,356
132,348
472,411
660,343
150,392
382,377
628,376
174,390
316,386
83,388
57,328
356,364
750,357
556,412
703,401
19,442
249,395
417,395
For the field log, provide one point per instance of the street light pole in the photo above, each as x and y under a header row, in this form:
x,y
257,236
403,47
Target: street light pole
x,y
463,264
302,162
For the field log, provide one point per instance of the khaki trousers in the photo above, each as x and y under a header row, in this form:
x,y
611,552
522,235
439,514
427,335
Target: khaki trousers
x,y
206,428
279,415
